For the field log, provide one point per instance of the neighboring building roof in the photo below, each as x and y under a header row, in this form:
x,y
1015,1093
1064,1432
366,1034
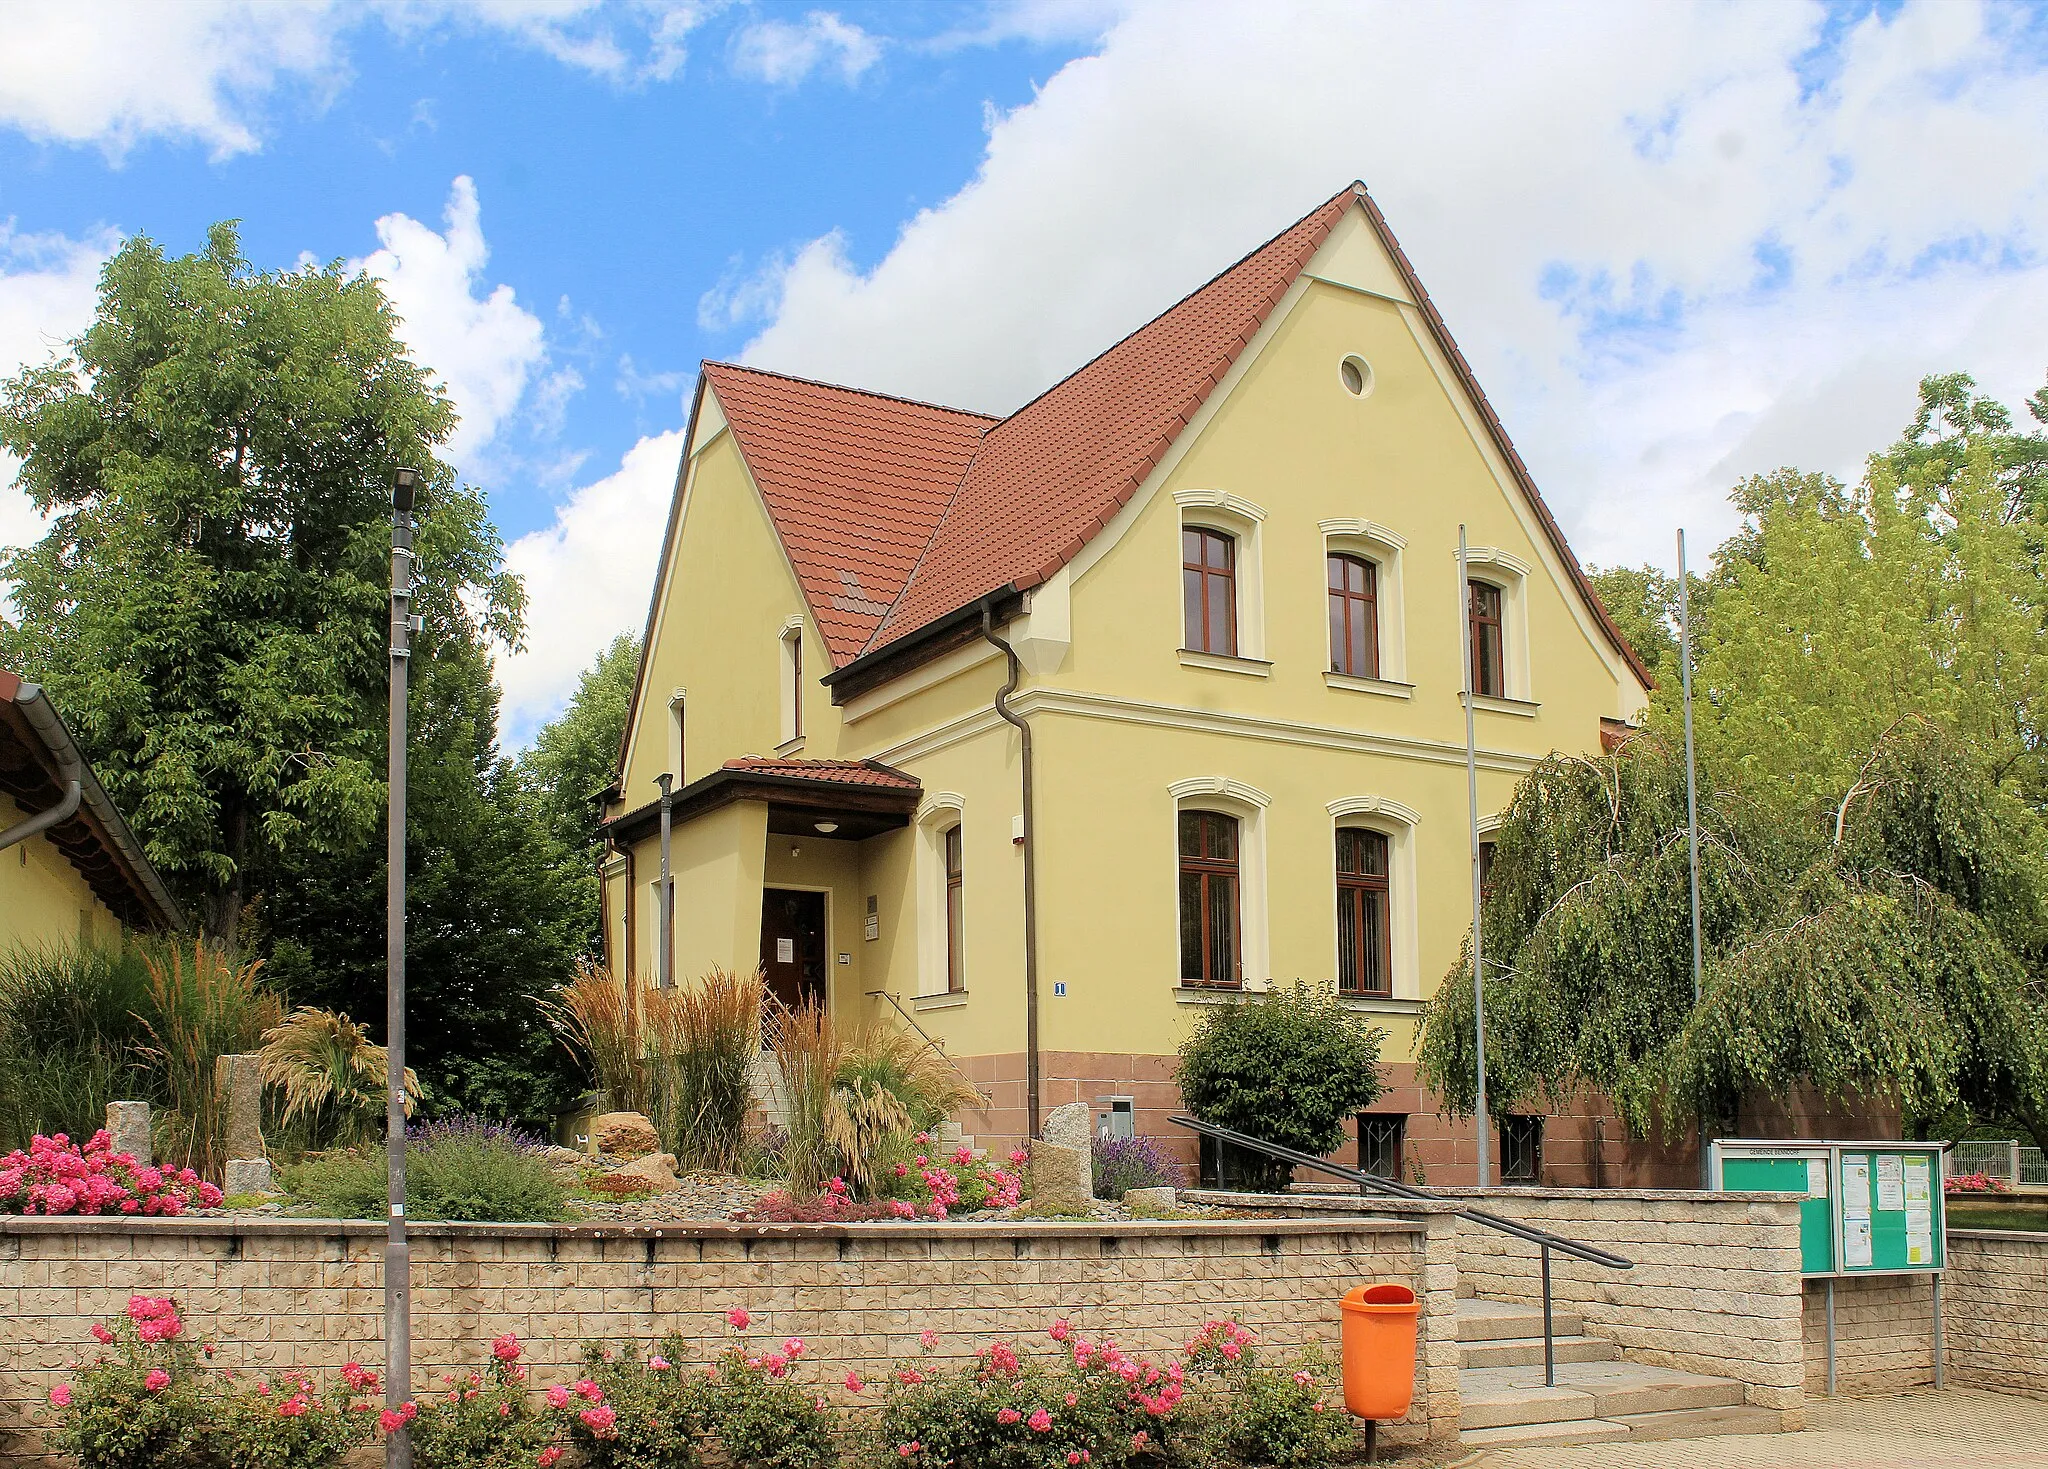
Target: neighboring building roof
x,y
897,514
832,772
855,482
38,761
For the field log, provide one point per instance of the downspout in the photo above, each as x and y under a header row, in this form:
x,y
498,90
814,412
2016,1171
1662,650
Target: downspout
x,y
70,770
988,632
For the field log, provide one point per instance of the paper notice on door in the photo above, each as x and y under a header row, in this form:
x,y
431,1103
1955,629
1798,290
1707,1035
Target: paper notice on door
x,y
1816,1178
785,951
1856,1184
1856,1242
1891,1181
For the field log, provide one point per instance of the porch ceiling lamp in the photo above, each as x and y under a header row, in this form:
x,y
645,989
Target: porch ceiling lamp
x,y
826,828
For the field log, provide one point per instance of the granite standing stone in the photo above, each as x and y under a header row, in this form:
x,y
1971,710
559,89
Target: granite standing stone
x,y
128,1126
239,1080
1071,1125
247,1176
1062,1178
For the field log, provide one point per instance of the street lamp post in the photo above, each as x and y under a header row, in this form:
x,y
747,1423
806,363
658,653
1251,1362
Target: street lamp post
x,y
397,1254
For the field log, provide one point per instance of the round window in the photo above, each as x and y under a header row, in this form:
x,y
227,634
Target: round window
x,y
1356,374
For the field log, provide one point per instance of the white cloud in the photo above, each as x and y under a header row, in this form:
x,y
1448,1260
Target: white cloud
x,y
1677,249
587,579
110,72
783,53
46,298
478,339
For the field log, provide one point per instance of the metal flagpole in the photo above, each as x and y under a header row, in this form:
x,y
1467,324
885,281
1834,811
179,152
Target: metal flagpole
x,y
397,1254
1692,812
664,976
1472,802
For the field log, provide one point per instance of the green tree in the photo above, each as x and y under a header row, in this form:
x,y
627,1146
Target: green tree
x,y
1953,421
572,759
1643,601
209,604
1892,944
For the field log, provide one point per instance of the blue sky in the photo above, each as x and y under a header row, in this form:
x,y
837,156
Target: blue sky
x,y
1681,243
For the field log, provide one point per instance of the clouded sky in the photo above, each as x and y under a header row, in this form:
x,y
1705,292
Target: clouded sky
x,y
1680,242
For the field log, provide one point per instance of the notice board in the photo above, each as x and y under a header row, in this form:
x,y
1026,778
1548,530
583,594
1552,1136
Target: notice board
x,y
1870,1208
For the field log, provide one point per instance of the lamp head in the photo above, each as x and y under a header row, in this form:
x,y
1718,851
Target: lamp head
x,y
405,485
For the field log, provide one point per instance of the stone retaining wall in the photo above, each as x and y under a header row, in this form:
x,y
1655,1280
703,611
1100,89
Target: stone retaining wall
x,y
305,1293
1995,1308
1714,1287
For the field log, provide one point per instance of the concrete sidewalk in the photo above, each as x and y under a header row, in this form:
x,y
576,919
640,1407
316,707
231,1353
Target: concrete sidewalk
x,y
1922,1430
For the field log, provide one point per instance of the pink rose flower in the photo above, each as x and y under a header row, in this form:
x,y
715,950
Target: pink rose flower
x,y
657,1364
558,1396
794,1347
101,1335
1039,1422
60,1395
1060,1330
928,1338
157,1380
292,1407
854,1384
587,1390
737,1318
505,1348
600,1421
1007,1416
548,1458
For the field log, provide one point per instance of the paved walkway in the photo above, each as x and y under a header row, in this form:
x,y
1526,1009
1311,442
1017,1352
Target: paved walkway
x,y
1922,1430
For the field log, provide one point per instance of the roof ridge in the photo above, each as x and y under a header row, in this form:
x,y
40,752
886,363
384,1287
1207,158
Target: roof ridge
x,y
817,382
1354,188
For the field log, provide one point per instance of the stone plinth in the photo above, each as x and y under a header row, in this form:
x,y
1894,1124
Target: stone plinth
x,y
128,1126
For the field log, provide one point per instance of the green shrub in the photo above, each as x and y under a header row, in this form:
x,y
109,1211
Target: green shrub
x,y
485,1420
70,1032
1289,1066
458,1169
1251,1413
144,1404
285,1422
658,1409
761,1415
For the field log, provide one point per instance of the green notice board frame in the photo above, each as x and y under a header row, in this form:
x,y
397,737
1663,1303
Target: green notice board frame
x,y
1871,1208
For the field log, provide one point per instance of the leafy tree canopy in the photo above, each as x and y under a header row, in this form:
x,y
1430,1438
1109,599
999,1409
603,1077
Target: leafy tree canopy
x,y
208,606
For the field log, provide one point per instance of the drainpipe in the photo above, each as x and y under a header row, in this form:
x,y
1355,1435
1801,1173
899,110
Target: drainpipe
x,y
988,632
665,961
70,770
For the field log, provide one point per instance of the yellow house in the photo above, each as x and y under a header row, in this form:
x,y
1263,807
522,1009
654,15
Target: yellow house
x,y
70,869
1045,733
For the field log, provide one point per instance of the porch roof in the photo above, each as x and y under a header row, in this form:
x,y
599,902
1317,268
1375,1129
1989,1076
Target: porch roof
x,y
856,798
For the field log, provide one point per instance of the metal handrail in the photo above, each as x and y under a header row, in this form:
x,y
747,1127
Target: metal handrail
x,y
1543,1239
937,1049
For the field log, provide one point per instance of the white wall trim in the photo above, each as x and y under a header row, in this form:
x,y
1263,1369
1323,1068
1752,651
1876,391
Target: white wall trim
x,y
1373,806
1223,500
1196,786
1364,530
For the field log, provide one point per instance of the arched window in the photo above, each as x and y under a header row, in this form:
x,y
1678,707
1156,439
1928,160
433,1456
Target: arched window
x,y
1354,616
1210,943
1365,953
1208,579
956,951
1484,617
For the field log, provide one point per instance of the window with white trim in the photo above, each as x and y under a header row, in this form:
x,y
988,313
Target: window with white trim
x,y
941,876
1222,589
1362,577
1375,928
1219,856
792,658
1496,623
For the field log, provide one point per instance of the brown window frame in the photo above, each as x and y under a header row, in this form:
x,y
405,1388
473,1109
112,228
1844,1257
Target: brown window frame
x,y
1210,579
1486,624
1345,604
952,859
1358,892
1208,870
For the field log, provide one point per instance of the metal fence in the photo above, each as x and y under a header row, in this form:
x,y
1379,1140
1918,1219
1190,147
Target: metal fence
x,y
2006,1160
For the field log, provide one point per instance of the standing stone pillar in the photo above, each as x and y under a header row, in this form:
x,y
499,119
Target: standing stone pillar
x,y
128,1126
239,1081
1063,1161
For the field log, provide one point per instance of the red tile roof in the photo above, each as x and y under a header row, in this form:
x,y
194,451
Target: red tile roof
x,y
856,482
831,772
895,513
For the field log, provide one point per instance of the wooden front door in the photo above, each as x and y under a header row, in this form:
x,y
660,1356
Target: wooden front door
x,y
793,946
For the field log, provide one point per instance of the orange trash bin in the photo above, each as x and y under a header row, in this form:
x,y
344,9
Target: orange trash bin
x,y
1378,1345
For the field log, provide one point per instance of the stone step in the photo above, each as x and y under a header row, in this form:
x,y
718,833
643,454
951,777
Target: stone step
x,y
1499,1397
1638,1427
1484,1320
1519,1351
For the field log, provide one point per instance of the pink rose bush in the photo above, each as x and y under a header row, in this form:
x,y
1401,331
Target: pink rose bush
x,y
150,1402
1975,1183
56,1176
